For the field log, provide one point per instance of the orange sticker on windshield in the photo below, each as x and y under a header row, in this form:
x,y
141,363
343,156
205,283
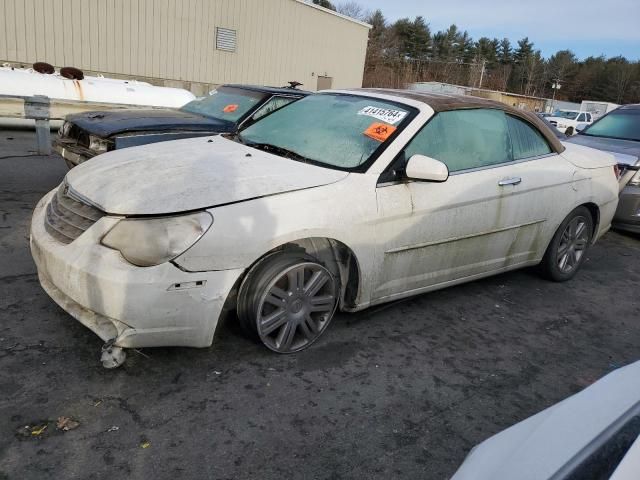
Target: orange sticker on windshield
x,y
230,108
379,131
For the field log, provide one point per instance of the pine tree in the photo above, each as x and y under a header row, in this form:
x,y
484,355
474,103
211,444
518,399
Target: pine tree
x,y
325,4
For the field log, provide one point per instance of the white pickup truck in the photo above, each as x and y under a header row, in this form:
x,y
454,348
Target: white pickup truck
x,y
570,122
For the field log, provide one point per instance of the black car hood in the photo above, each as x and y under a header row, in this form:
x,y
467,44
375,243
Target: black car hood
x,y
108,123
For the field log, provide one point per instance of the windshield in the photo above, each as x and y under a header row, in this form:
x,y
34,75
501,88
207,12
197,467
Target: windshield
x,y
620,124
226,103
566,114
337,130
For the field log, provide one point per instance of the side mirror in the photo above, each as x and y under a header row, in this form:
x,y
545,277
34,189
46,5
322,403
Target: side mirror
x,y
421,167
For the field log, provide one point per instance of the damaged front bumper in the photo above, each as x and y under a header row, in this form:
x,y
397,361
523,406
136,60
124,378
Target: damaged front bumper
x,y
72,153
130,306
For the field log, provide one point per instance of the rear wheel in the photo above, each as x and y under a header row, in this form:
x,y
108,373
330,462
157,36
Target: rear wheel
x,y
567,250
287,301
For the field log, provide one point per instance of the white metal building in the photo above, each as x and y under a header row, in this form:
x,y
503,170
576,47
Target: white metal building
x,y
194,44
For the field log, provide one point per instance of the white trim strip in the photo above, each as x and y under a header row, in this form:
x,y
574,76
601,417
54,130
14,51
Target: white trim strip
x,y
462,237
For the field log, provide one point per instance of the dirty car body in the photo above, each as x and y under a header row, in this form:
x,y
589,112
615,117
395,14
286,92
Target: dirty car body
x,y
224,110
618,133
342,200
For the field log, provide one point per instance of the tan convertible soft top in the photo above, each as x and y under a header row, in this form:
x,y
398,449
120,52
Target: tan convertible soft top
x,y
441,102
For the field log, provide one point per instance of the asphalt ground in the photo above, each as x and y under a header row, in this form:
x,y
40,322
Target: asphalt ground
x,y
401,391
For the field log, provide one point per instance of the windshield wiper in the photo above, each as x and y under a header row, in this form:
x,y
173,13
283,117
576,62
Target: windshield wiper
x,y
280,151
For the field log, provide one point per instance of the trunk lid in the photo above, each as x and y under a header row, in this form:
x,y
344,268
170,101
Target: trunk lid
x,y
585,157
626,151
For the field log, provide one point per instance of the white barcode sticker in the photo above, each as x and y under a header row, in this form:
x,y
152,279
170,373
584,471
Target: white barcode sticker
x,y
387,115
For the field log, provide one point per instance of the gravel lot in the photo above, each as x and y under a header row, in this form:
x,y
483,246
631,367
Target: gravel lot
x,y
402,391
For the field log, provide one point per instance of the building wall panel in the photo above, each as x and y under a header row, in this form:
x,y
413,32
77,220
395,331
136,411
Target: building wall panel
x,y
48,33
174,40
3,30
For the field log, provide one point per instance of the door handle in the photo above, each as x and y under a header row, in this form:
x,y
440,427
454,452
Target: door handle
x,y
510,181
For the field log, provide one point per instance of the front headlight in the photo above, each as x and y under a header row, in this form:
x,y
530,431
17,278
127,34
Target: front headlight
x,y
146,242
64,129
98,145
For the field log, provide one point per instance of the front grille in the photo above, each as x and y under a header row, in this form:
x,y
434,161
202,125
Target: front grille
x,y
68,216
78,135
553,122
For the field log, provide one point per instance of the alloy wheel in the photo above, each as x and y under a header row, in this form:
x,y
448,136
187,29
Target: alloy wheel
x,y
296,307
572,245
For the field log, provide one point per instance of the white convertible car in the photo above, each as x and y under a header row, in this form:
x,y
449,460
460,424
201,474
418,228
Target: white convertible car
x,y
342,200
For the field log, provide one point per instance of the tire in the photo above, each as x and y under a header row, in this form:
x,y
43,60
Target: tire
x,y
287,301
569,131
569,246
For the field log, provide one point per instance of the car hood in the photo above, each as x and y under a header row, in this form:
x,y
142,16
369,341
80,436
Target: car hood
x,y
625,151
111,122
191,174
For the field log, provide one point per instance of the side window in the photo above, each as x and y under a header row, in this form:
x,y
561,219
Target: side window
x,y
272,105
588,117
464,139
582,117
526,140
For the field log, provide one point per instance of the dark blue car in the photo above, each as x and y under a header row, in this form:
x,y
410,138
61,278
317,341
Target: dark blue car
x,y
226,110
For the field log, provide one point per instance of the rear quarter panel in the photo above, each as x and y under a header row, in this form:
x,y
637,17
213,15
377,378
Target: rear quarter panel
x,y
594,182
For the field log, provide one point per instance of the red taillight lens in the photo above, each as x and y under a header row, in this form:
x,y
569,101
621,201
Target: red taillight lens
x,y
617,171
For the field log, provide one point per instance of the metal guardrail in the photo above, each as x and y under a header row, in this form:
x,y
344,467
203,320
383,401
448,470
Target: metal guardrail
x,y
36,108
42,109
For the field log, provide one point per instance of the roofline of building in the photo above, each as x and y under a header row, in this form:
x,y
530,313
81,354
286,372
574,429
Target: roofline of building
x,y
488,90
326,10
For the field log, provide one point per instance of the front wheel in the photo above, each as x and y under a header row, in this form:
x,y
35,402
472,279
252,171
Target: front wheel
x,y
287,301
567,250
569,131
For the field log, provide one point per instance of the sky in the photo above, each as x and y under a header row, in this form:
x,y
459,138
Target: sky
x,y
587,27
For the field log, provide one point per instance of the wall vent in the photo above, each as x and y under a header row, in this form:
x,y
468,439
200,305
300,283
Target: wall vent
x,y
225,39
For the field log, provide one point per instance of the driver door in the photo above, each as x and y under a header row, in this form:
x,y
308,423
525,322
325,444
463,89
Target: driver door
x,y
430,234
